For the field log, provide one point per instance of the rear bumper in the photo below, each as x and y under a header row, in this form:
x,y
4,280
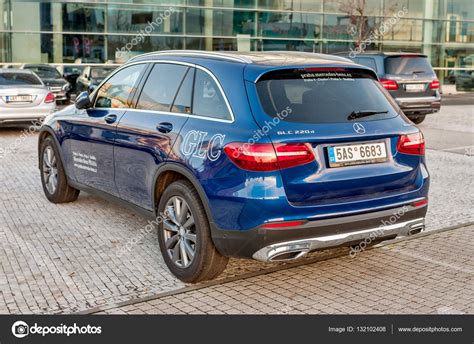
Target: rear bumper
x,y
275,244
419,105
298,248
62,95
26,115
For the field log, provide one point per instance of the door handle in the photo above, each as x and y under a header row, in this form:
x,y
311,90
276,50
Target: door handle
x,y
110,118
164,127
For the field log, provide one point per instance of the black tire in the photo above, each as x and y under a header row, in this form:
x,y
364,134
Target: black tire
x,y
62,193
418,119
207,263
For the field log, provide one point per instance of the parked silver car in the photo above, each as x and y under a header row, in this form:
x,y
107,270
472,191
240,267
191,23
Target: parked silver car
x,y
23,97
52,79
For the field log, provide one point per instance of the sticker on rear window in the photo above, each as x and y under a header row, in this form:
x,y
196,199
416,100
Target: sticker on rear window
x,y
320,76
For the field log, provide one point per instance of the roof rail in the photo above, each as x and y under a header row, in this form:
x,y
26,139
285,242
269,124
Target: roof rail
x,y
198,53
313,55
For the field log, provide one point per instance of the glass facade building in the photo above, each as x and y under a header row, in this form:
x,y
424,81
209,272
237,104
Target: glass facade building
x,y
100,31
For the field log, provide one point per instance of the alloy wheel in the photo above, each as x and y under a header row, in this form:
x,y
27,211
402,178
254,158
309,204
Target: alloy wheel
x,y
50,170
179,232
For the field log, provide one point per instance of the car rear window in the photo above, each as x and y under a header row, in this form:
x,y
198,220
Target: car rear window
x,y
316,95
11,79
407,65
367,61
45,72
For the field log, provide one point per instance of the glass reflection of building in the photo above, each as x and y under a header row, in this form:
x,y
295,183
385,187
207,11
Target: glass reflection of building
x,y
94,31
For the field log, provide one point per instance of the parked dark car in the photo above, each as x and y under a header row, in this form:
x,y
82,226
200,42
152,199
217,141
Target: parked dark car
x,y
264,155
452,75
408,77
91,77
465,81
71,73
53,79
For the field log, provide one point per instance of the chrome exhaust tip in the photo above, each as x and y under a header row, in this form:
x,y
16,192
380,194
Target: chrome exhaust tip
x,y
282,252
416,228
288,255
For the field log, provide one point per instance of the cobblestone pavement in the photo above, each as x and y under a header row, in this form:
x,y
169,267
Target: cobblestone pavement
x,y
63,258
450,157
431,274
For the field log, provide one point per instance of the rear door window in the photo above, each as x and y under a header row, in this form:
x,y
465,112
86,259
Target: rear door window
x,y
407,65
161,86
315,95
208,100
182,102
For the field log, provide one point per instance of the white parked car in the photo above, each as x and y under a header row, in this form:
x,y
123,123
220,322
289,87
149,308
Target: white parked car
x,y
23,97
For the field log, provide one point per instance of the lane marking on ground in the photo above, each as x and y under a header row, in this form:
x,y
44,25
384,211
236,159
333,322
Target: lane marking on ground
x,y
468,151
419,256
457,148
260,272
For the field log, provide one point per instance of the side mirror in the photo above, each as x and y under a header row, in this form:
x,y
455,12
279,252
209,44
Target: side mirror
x,y
83,101
91,88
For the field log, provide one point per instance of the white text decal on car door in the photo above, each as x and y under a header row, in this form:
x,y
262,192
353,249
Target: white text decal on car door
x,y
193,145
85,161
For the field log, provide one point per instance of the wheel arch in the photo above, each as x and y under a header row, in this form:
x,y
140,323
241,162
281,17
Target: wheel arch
x,y
170,172
45,132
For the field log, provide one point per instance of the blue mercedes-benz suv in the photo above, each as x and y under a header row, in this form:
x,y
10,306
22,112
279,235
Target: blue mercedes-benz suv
x,y
268,155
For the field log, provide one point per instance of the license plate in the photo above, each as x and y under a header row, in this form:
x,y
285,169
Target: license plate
x,y
19,99
414,87
357,154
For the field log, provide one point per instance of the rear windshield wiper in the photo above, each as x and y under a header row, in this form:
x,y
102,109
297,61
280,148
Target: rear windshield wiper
x,y
359,114
418,72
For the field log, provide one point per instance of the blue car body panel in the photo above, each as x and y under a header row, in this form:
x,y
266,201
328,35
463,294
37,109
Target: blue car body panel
x,y
139,150
130,153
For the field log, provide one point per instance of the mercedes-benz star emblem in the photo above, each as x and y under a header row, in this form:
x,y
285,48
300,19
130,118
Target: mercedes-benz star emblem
x,y
359,128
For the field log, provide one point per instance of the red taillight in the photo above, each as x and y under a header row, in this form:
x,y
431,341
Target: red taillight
x,y
49,98
283,224
434,85
293,154
389,84
420,203
267,157
411,144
